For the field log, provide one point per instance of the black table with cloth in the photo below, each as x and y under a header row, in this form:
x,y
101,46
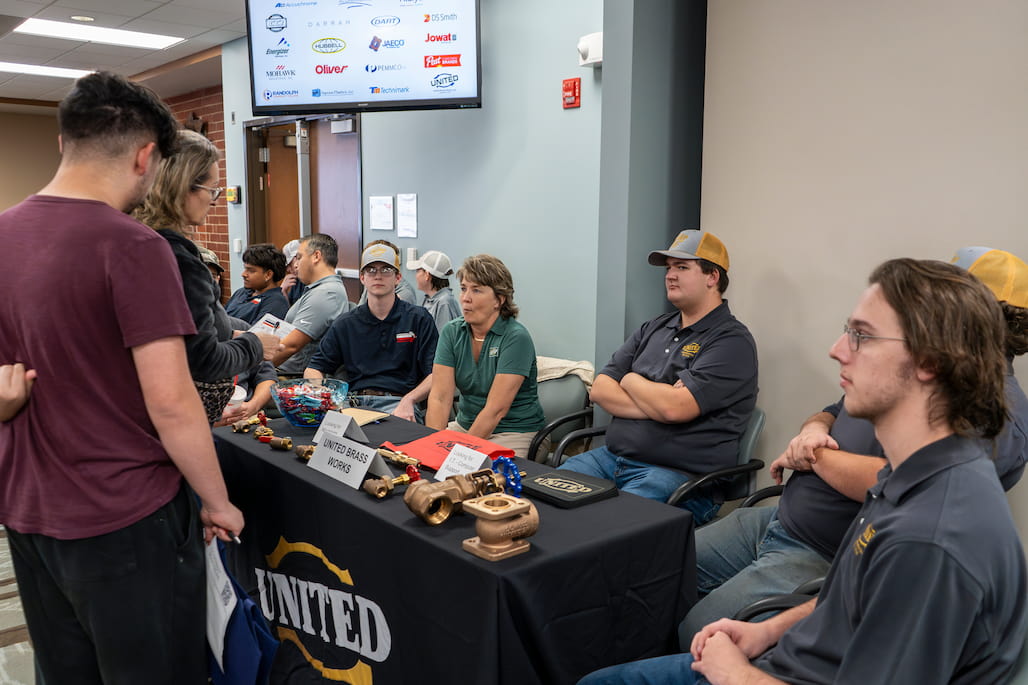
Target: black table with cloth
x,y
363,591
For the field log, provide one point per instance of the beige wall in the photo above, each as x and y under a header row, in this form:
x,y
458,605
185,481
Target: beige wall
x,y
838,135
28,147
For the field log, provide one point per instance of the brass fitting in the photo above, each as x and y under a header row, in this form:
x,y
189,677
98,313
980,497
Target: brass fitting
x,y
241,426
304,452
262,430
284,444
435,502
380,487
504,521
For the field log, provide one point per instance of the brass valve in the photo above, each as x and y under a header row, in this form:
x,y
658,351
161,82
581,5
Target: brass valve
x,y
304,452
435,502
502,526
284,444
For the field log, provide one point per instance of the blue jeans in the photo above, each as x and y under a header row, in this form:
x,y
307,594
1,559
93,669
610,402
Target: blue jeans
x,y
386,404
745,557
675,669
645,480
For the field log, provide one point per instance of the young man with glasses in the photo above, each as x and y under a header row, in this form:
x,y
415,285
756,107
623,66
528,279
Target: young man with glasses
x,y
324,299
759,552
384,348
930,584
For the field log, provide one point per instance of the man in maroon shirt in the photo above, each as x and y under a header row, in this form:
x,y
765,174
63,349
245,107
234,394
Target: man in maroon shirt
x,y
104,533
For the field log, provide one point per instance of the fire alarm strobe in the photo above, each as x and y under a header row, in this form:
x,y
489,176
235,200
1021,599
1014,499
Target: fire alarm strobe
x,y
572,93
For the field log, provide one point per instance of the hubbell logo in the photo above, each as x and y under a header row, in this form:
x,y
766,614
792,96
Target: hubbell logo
x,y
328,45
313,604
275,22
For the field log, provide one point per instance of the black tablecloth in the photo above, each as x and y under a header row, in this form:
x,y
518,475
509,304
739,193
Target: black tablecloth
x,y
363,591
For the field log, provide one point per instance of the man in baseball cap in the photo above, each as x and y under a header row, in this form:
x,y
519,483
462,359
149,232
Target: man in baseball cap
x,y
430,274
682,388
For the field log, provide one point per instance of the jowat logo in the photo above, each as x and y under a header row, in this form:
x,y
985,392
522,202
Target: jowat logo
x,y
312,603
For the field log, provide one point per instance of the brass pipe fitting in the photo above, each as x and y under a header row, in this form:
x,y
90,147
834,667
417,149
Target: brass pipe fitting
x,y
435,502
503,522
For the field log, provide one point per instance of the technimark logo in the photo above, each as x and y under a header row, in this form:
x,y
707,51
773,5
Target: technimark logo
x,y
313,604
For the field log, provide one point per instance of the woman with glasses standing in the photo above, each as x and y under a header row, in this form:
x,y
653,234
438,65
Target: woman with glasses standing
x,y
490,359
183,192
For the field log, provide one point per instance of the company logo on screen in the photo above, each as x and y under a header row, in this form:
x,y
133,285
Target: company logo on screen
x,y
350,4
280,72
444,80
373,68
306,3
377,43
330,68
440,37
375,90
275,23
411,3
385,21
272,94
440,17
328,45
315,604
442,61
319,92
281,49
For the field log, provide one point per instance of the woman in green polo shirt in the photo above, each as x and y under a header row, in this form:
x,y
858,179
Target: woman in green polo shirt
x,y
489,358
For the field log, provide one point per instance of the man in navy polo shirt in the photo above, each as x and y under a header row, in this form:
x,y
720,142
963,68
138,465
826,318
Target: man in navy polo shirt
x,y
385,347
263,268
929,585
682,388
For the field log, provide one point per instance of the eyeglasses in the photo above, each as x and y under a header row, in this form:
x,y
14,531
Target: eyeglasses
x,y
384,270
215,192
856,337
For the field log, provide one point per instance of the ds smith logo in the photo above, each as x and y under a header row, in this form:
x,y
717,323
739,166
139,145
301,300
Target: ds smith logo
x,y
385,21
275,23
440,17
444,80
313,603
281,49
328,45
440,37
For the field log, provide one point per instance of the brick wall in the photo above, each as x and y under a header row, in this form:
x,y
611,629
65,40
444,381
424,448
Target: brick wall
x,y
208,104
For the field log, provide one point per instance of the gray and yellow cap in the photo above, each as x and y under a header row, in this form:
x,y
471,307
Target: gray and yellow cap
x,y
380,253
693,244
1004,274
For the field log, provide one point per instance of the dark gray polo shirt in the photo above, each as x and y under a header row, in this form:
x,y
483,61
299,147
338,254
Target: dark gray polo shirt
x,y
716,359
929,585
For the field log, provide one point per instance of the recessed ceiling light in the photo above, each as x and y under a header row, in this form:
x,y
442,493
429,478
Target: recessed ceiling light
x,y
96,34
81,17
39,70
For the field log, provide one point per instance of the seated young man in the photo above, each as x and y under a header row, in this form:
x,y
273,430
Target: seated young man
x,y
930,583
263,268
385,347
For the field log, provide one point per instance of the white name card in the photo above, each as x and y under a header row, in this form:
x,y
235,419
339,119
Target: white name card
x,y
341,424
271,324
462,459
347,461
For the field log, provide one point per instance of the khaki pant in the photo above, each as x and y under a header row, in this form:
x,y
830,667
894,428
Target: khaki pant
x,y
519,442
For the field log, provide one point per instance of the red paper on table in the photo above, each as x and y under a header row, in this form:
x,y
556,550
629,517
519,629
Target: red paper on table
x,y
433,449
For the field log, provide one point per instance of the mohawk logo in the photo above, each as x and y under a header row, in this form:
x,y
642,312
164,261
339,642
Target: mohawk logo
x,y
313,604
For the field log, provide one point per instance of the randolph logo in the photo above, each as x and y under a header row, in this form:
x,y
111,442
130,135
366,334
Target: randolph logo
x,y
314,604
272,94
328,45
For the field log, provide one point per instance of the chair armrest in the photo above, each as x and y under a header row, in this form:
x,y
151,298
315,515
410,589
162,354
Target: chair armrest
x,y
556,459
552,425
762,494
686,488
776,603
811,587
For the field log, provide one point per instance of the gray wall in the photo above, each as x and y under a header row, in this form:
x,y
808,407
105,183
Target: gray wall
x,y
518,178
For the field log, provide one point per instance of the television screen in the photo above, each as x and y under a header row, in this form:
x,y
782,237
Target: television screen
x,y
324,56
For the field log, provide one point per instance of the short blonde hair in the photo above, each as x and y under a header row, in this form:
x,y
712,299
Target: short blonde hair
x,y
177,176
488,270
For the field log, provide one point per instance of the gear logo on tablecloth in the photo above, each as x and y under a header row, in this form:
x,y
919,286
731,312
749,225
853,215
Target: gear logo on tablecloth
x,y
311,602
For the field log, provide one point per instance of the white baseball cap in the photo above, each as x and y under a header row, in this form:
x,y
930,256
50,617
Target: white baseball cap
x,y
434,262
290,250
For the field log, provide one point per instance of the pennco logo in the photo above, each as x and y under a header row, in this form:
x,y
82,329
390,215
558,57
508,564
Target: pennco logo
x,y
328,45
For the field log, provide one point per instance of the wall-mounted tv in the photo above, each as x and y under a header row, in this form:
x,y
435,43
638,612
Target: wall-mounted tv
x,y
325,56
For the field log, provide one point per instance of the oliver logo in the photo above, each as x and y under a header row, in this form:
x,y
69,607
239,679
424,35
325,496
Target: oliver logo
x,y
328,45
312,603
691,350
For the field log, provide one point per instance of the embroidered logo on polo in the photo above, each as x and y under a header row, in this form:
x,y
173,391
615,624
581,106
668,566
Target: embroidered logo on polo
x,y
691,350
405,337
864,539
494,351
312,603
